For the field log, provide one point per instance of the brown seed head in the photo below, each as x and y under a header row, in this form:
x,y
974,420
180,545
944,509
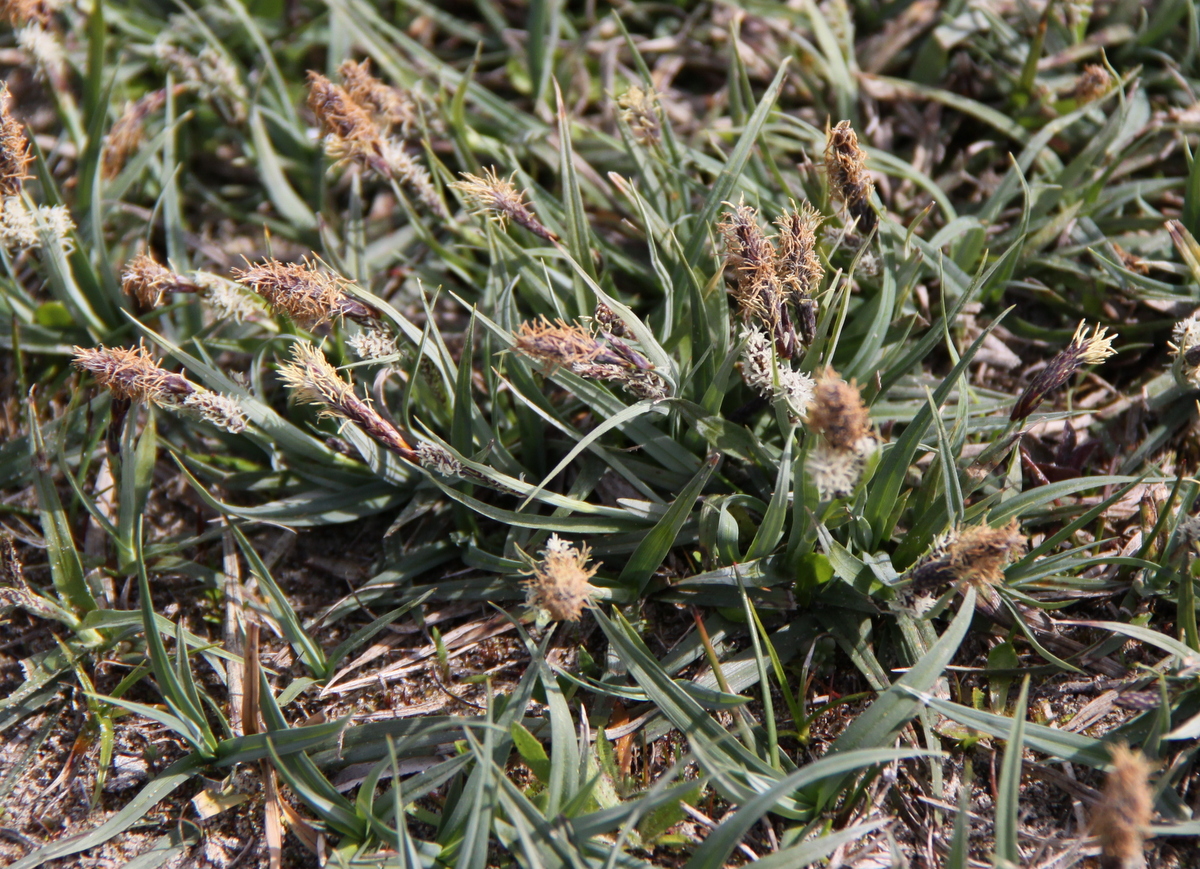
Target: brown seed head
x,y
978,554
314,381
496,198
1124,810
350,133
387,106
560,582
845,168
558,344
19,12
799,266
1093,83
838,412
975,555
1084,349
147,281
303,292
131,373
14,149
128,133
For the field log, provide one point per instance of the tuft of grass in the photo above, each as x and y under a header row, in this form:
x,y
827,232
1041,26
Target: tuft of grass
x,y
610,438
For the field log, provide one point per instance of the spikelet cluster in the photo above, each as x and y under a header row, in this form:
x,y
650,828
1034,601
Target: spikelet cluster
x,y
771,376
209,72
560,582
571,346
845,444
639,110
44,46
846,171
799,268
1124,811
356,121
1084,349
19,12
24,228
130,373
390,108
226,299
497,199
769,284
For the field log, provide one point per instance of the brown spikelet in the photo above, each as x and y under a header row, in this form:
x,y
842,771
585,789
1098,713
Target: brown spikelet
x,y
975,555
1124,810
20,12
1084,349
799,267
350,133
128,133
978,554
131,374
387,106
846,170
559,344
752,254
494,197
837,412
1093,83
757,291
315,381
14,149
147,281
306,294
560,581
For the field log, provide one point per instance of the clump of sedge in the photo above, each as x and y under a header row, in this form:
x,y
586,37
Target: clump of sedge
x,y
839,416
498,199
559,345
1084,349
560,581
133,375
846,171
1124,810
